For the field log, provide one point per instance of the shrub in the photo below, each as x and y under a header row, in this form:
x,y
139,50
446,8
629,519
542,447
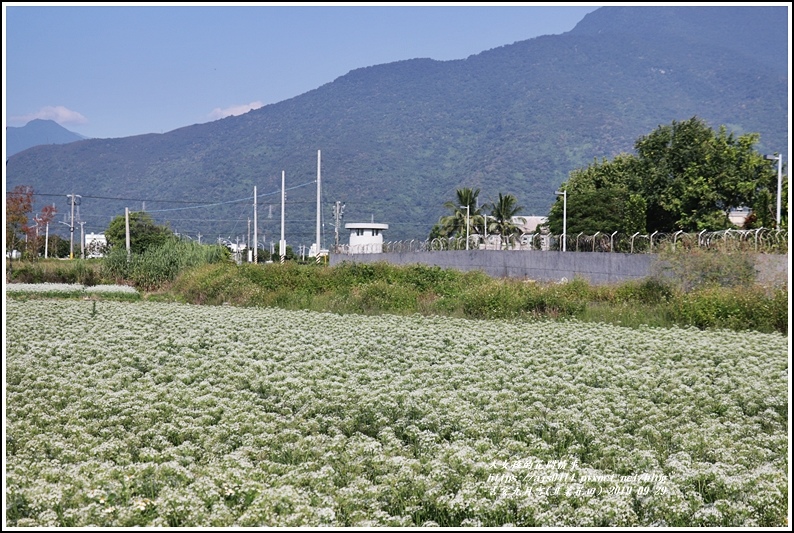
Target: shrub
x,y
161,264
215,284
696,268
510,298
383,288
646,291
732,308
81,271
27,273
382,296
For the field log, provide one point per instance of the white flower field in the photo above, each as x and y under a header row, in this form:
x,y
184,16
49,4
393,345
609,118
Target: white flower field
x,y
155,414
68,288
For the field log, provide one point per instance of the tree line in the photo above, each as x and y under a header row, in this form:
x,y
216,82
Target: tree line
x,y
468,218
683,176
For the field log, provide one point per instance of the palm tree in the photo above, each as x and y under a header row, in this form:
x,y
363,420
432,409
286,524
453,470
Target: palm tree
x,y
503,212
455,224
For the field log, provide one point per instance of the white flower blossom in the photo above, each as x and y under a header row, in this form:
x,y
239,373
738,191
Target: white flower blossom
x,y
155,414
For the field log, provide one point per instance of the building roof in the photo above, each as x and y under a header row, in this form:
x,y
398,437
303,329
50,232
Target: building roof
x,y
366,225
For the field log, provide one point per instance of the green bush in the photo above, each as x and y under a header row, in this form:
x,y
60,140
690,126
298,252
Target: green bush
x,y
214,284
490,301
577,289
160,264
380,296
83,271
510,298
780,310
383,288
732,308
646,291
690,269
28,273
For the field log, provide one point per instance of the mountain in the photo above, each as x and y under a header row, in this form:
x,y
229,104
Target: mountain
x,y
398,139
37,132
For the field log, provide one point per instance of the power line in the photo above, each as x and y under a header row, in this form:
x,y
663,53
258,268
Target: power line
x,y
157,200
123,199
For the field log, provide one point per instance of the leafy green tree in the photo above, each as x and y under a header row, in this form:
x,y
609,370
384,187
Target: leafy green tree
x,y
289,254
601,198
693,176
764,207
502,213
684,176
144,233
454,224
58,246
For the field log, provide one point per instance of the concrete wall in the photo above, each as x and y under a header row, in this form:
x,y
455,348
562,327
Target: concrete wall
x,y
595,267
772,269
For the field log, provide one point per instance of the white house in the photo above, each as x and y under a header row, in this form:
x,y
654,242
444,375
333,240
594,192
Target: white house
x,y
366,237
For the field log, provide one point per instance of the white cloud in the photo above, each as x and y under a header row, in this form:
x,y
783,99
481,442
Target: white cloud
x,y
58,113
233,110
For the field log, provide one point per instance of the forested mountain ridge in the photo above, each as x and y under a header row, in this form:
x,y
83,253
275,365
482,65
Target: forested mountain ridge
x,y
37,132
398,139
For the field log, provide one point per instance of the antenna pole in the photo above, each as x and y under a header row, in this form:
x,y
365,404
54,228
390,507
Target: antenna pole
x,y
317,250
256,247
282,244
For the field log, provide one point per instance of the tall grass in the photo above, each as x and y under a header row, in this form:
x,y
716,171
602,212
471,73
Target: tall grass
x,y
82,271
383,288
159,265
700,289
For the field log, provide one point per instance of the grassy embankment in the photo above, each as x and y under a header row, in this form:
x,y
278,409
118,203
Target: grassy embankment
x,y
705,291
383,288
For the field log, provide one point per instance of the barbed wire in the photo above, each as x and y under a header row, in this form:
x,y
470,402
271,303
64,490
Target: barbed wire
x,y
762,240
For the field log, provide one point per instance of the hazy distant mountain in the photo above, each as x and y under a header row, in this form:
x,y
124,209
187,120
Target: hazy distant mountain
x,y
37,132
398,139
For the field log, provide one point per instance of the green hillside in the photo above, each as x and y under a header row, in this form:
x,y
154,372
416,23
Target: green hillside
x,y
398,139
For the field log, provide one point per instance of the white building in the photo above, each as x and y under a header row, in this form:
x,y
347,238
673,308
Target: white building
x,y
366,237
739,215
529,224
313,251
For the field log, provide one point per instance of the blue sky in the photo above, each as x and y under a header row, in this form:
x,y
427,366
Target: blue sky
x,y
119,69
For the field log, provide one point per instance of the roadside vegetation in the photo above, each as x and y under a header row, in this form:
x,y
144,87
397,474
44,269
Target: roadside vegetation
x,y
700,289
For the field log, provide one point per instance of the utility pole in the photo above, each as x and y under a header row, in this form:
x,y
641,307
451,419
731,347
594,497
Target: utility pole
x,y
282,244
199,238
82,239
127,226
564,194
339,212
248,241
317,250
71,224
256,245
47,241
